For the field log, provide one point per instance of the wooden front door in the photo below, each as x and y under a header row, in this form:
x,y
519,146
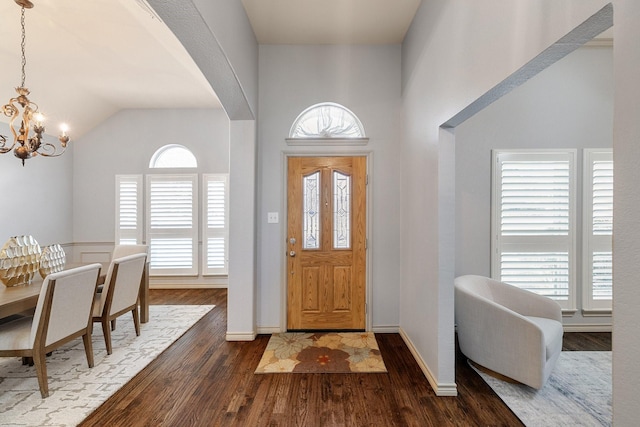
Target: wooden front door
x,y
326,243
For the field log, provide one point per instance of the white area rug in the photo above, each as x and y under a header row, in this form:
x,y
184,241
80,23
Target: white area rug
x,y
75,390
578,393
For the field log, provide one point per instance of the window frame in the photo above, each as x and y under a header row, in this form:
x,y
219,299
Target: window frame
x,y
161,152
590,241
320,139
543,243
137,233
214,232
191,233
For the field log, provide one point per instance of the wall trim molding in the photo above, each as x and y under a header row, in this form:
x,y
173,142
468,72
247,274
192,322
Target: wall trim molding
x,y
269,330
385,329
185,285
89,252
441,389
588,327
327,141
240,336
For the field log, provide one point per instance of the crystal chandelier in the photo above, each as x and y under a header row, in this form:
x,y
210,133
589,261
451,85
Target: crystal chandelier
x,y
26,112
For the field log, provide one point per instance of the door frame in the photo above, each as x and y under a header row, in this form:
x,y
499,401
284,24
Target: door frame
x,y
368,155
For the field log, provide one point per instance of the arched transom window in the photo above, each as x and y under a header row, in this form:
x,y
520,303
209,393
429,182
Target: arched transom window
x,y
327,121
173,156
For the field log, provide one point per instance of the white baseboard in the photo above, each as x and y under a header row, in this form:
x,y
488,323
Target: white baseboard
x,y
588,327
182,282
441,389
269,330
240,336
186,286
385,329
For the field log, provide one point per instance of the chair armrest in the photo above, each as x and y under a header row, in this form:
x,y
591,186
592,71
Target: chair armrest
x,y
525,302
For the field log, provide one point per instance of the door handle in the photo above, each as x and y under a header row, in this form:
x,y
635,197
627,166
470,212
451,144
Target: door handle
x,y
292,254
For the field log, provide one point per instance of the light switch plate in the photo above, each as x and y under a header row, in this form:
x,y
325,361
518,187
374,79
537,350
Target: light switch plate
x,y
272,217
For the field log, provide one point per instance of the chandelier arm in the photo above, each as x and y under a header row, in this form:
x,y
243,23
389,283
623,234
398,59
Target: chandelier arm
x,y
47,149
13,113
3,148
10,111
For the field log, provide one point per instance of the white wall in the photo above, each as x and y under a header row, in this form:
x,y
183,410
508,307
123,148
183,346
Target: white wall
x,y
124,144
365,79
568,105
218,36
37,198
626,205
233,31
453,54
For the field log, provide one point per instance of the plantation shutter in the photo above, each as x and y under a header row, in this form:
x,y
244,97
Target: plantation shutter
x,y
598,229
216,228
128,209
533,222
172,224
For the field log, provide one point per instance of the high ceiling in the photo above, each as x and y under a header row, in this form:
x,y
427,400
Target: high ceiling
x,y
330,21
86,60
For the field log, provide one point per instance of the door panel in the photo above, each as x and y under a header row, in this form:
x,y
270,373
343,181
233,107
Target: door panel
x,y
326,243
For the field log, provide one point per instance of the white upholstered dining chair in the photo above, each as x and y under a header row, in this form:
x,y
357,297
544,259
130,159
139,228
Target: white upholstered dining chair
x,y
123,250
119,294
63,313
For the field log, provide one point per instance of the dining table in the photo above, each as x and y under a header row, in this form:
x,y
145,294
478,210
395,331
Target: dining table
x,y
21,298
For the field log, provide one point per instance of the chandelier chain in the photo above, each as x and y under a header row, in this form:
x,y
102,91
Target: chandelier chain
x,y
22,45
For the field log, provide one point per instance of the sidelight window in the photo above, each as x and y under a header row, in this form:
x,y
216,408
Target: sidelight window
x,y
598,229
311,207
128,209
341,211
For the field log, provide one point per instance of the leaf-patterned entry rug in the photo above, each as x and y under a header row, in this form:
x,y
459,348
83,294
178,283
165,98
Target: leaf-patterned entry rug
x,y
321,352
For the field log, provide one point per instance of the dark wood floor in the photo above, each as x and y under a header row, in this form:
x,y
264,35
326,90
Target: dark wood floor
x,y
203,380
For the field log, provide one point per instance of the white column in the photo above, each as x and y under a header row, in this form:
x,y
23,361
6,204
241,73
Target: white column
x,y
241,300
446,263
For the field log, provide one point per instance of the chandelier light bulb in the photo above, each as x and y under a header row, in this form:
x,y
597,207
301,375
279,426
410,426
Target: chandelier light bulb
x,y
39,118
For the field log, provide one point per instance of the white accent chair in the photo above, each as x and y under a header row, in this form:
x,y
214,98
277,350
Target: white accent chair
x,y
508,330
119,294
63,313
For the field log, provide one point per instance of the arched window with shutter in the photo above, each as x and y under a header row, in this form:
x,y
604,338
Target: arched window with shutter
x,y
327,123
173,156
